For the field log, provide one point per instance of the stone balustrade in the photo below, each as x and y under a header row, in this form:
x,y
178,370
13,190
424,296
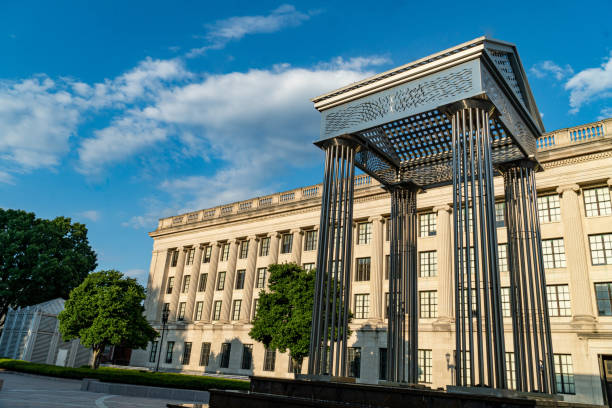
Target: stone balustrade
x,y
576,134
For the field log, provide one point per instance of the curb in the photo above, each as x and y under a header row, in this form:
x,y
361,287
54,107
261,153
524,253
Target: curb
x,y
144,391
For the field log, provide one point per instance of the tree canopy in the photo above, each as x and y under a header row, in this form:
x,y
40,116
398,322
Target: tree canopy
x,y
106,310
40,259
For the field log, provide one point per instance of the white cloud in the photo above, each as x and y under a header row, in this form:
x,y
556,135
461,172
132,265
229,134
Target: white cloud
x,y
605,113
91,215
221,32
590,84
545,68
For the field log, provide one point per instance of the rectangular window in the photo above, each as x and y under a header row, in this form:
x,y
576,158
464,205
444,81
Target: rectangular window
x,y
240,278
221,281
310,244
425,366
463,255
558,300
153,353
387,265
181,312
261,278
287,243
500,209
362,306
387,229
364,233
190,256
428,264
473,298
428,300
603,293
169,350
198,312
309,266
236,309
549,209
202,283
170,284
226,350
207,254
382,363
427,224
502,257
174,259
186,281
465,362
470,218
217,310
294,367
255,303
554,253
511,370
564,374
264,248
225,252
269,360
244,249
247,357
597,201
601,249
354,362
166,307
205,354
363,269
387,305
505,302
186,353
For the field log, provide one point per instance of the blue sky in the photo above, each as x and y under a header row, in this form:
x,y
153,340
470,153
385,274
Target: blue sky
x,y
118,113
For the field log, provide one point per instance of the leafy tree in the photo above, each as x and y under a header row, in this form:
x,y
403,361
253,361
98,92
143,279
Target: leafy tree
x,y
106,310
40,259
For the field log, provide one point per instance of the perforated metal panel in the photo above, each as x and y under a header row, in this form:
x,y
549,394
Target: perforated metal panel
x,y
41,348
502,62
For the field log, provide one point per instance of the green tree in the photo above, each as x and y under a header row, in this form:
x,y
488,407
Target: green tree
x,y
106,310
40,259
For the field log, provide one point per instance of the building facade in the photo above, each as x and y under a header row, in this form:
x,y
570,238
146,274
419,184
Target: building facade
x,y
208,268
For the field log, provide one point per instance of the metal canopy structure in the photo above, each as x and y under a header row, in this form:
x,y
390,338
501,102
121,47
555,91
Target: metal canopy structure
x,y
457,117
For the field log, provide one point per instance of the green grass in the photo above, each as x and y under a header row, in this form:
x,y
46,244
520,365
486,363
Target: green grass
x,y
117,375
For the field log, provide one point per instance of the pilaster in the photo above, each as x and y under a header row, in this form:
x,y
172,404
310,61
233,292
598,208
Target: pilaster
x,y
296,248
193,285
247,299
230,274
209,293
178,279
377,274
444,254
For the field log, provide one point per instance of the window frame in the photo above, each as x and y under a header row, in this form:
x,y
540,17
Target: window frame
x,y
602,207
264,248
428,224
364,233
240,277
286,243
431,269
431,311
203,280
205,354
225,355
606,249
310,240
236,312
221,282
217,310
186,356
169,352
363,267
362,305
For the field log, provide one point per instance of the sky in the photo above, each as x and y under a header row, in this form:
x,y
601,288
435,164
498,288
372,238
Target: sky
x,y
118,113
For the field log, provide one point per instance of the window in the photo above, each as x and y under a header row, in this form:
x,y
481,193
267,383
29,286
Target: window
x,y
505,302
221,281
310,244
269,360
169,350
166,307
240,278
309,266
198,312
364,233
153,353
264,249
236,309
207,254
382,363
170,284
362,306
225,252
205,354
294,367
502,257
354,362
387,265
202,283
463,255
425,366
554,253
247,357
174,259
261,278
474,300
363,269
226,350
429,304
470,218
287,243
255,303
558,300
181,313
597,201
217,310
186,353
244,249
467,364
387,229
603,293
564,373
549,209
428,264
190,256
500,209
601,249
427,224
510,370
387,305
186,281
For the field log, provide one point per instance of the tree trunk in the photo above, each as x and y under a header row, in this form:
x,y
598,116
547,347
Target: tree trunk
x,y
97,350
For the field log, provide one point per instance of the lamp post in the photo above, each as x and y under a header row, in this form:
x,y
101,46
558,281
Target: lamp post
x,y
165,314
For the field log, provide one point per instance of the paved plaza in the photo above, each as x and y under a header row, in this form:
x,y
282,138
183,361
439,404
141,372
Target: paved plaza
x,y
28,391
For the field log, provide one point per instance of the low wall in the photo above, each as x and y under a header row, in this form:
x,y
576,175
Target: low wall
x,y
144,391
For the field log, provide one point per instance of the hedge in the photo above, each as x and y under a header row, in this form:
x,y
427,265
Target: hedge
x,y
125,376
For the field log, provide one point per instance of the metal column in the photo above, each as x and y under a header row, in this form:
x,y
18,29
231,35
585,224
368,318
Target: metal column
x,y
328,338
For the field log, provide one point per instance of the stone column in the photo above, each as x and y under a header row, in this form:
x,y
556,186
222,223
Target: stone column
x,y
193,283
178,277
576,255
249,281
274,242
296,246
209,293
445,265
376,280
158,303
228,289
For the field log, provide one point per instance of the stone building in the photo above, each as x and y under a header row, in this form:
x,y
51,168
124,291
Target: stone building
x,y
209,266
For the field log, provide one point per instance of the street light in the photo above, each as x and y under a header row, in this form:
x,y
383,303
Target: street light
x,y
165,314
